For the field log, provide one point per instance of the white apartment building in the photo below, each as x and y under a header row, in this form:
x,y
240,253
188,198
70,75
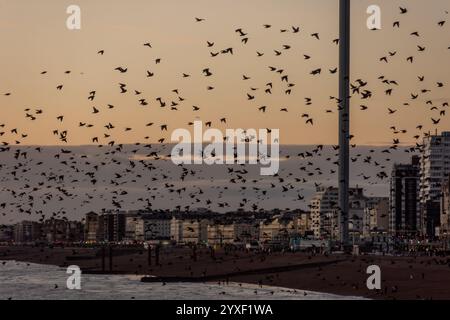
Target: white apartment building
x,y
276,229
358,204
134,228
27,231
268,230
156,228
434,169
304,223
142,227
325,220
188,230
246,231
220,234
323,212
376,217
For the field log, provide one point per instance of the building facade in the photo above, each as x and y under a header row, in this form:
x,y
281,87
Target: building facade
x,y
404,201
6,233
114,224
324,213
156,228
62,230
444,230
434,168
185,230
246,231
325,220
376,218
220,233
27,231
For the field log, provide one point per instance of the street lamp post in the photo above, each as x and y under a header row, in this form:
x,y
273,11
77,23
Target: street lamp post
x,y
344,117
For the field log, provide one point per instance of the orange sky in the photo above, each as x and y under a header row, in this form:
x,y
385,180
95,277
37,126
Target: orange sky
x,y
34,38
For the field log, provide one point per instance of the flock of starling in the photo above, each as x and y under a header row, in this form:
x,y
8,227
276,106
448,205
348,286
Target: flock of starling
x,y
69,179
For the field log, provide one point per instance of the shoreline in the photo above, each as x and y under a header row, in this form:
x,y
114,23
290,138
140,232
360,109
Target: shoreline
x,y
402,277
267,292
247,285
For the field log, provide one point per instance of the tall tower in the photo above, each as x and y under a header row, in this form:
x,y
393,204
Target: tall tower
x,y
344,117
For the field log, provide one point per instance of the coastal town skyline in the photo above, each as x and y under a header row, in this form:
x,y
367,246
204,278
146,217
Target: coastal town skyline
x,y
417,204
170,149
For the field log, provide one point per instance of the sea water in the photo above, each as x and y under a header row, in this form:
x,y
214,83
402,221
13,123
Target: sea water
x,y
22,280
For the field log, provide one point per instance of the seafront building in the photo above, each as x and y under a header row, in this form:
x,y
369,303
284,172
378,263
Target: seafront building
x,y
376,220
61,230
114,224
189,230
324,213
27,231
434,169
156,227
93,228
404,201
246,230
203,227
325,218
6,233
274,230
48,231
444,230
220,233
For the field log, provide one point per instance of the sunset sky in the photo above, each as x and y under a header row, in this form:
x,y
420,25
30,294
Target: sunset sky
x,y
34,38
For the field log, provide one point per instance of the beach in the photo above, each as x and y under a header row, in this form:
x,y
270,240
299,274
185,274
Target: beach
x,y
24,281
401,277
